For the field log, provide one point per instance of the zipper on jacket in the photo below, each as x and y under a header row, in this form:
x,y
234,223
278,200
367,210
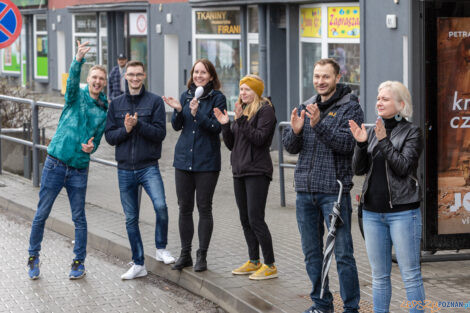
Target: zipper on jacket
x,y
388,184
133,140
367,186
415,179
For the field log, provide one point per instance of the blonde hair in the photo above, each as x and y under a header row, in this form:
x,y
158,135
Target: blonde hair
x,y
400,94
98,67
252,108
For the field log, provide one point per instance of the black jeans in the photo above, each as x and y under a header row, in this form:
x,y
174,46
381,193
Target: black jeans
x,y
251,193
203,184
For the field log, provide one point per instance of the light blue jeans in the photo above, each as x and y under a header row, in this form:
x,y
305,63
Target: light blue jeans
x,y
55,176
403,231
151,179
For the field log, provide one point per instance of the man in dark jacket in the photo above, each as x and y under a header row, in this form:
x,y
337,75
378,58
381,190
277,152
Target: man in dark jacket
x,y
320,133
136,126
117,81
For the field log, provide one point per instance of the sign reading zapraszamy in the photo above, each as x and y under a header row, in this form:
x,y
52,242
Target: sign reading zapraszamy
x,y
453,51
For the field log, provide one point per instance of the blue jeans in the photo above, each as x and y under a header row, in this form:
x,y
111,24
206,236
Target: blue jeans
x,y
151,179
56,175
311,210
403,231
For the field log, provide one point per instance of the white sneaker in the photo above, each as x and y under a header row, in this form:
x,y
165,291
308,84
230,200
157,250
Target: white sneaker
x,y
164,256
134,272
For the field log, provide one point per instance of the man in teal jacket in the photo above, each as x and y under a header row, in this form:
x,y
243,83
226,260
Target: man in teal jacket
x,y
78,134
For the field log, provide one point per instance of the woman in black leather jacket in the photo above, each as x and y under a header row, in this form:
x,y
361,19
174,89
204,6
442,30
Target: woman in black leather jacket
x,y
388,155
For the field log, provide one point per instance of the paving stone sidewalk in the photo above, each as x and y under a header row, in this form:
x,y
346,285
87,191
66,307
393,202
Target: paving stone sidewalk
x,y
101,290
449,281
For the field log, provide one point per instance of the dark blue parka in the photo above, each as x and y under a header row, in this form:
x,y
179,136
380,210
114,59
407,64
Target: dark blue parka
x,y
198,147
142,147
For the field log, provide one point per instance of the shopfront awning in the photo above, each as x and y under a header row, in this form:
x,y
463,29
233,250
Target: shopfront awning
x,y
106,7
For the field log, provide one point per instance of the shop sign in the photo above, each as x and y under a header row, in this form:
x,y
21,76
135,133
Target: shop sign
x,y
310,22
30,3
225,22
138,24
343,22
453,159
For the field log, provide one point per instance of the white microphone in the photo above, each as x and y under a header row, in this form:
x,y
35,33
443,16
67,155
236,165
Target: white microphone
x,y
199,91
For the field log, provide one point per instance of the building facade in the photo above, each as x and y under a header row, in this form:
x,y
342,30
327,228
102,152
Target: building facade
x,y
422,43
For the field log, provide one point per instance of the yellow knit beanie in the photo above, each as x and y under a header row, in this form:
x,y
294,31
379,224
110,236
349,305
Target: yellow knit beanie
x,y
255,84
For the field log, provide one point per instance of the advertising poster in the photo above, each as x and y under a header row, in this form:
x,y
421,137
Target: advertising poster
x,y
343,22
310,22
453,70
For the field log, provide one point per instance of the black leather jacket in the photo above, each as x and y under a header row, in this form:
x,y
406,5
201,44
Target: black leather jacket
x,y
401,151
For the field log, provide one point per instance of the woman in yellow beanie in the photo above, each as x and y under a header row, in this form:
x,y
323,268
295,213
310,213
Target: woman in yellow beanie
x,y
249,138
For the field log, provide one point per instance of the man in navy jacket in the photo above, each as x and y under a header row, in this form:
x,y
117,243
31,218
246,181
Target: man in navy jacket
x,y
136,126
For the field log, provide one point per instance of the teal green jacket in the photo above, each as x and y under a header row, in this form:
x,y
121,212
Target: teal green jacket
x,y
82,118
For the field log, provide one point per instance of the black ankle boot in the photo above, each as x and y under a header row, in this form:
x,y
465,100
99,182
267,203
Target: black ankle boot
x,y
201,263
183,261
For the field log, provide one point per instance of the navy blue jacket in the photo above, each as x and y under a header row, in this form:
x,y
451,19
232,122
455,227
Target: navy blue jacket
x,y
198,147
326,150
141,147
114,83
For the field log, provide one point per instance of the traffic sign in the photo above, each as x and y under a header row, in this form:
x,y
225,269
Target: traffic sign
x,y
10,23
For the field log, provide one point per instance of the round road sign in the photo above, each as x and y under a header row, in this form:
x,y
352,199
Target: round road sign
x,y
10,23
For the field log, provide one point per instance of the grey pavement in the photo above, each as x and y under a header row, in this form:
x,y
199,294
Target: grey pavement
x,y
449,281
101,290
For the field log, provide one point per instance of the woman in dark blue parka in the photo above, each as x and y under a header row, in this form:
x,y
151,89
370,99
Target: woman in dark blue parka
x,y
197,158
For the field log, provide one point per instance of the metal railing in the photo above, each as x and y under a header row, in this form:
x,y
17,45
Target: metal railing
x,y
35,144
283,165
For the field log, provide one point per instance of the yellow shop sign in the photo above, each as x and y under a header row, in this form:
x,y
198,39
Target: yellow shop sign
x,y
343,22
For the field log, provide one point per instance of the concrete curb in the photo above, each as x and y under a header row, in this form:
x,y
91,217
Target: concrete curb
x,y
203,284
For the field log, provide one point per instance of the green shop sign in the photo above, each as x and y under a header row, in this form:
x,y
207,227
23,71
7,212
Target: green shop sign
x,y
30,3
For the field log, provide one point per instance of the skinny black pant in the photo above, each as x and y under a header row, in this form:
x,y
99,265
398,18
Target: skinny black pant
x,y
251,193
201,184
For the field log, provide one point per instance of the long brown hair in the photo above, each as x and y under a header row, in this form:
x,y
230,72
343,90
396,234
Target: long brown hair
x,y
210,68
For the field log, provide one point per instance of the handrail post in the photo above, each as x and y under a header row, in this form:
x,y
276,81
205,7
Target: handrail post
x,y
281,168
35,126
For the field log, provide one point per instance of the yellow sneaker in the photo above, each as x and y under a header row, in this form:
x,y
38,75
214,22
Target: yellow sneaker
x,y
247,268
265,272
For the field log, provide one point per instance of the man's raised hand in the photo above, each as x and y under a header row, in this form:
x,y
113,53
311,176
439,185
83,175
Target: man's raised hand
x,y
82,50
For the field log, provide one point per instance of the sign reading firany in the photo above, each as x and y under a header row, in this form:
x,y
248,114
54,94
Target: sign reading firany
x,y
30,3
225,22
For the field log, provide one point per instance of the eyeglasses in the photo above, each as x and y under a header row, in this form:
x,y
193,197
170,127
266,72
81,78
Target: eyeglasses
x,y
132,75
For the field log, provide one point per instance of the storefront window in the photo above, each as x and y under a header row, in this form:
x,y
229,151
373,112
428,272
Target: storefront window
x,y
310,52
253,41
40,47
217,37
330,31
103,40
91,28
253,19
347,56
11,58
138,38
85,29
